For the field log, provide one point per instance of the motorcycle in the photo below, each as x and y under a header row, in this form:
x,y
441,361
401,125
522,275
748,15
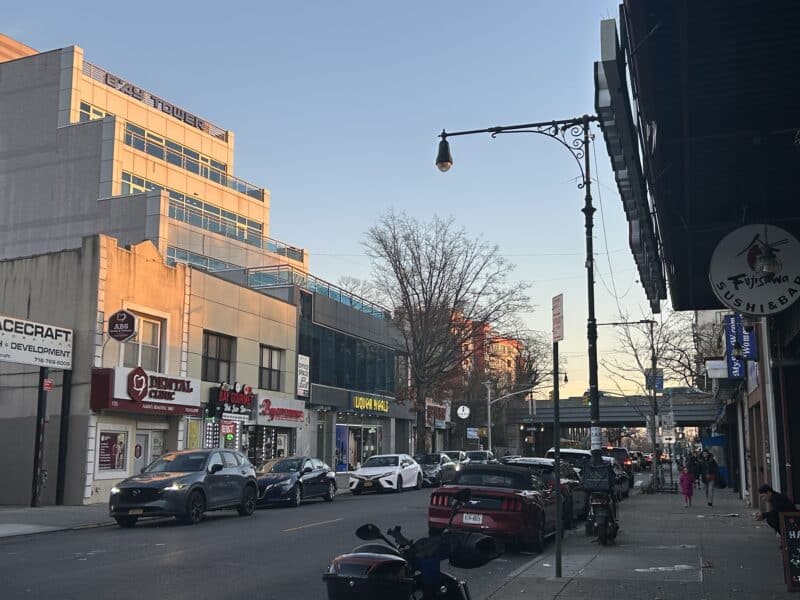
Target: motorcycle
x,y
406,569
602,517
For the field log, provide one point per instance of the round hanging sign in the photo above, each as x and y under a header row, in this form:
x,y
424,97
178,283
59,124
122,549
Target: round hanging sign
x,y
755,270
463,411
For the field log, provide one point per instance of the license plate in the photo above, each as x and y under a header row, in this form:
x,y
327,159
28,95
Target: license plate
x,y
367,484
136,511
471,519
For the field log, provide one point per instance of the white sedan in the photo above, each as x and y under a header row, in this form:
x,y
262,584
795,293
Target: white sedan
x,y
386,472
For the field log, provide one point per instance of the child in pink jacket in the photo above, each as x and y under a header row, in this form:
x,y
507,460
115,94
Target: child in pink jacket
x,y
686,483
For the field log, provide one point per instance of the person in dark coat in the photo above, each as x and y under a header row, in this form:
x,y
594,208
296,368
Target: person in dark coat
x,y
776,503
709,473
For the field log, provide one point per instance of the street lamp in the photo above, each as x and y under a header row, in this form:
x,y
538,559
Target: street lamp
x,y
574,135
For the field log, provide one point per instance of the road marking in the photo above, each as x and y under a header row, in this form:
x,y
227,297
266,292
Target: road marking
x,y
314,524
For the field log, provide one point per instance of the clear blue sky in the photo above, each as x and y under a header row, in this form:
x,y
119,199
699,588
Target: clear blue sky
x,y
336,107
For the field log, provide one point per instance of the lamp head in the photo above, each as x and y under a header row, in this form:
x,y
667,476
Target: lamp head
x,y
444,160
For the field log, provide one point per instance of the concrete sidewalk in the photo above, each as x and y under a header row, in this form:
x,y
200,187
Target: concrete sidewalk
x,y
663,551
24,520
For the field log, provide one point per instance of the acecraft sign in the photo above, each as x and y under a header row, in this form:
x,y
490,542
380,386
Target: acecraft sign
x,y
38,344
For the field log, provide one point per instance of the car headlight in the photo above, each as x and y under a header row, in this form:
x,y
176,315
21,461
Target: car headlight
x,y
389,474
114,490
175,487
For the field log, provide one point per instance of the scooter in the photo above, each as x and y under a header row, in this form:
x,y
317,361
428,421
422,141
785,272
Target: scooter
x,y
602,517
406,569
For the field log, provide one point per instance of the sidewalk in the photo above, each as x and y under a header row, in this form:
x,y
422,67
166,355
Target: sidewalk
x,y
663,551
24,520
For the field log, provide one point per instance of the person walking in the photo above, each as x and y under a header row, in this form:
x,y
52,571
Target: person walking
x,y
709,472
775,503
695,471
686,483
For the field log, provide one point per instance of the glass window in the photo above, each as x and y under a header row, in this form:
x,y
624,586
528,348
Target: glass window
x,y
112,451
217,357
270,371
231,460
144,349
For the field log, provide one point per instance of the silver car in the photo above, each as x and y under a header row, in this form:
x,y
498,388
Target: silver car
x,y
186,484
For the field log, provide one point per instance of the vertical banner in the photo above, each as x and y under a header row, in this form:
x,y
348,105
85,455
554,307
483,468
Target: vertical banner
x,y
736,368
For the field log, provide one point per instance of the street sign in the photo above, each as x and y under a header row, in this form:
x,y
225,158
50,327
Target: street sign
x,y
37,344
668,436
122,325
668,420
648,377
463,412
48,385
558,318
472,433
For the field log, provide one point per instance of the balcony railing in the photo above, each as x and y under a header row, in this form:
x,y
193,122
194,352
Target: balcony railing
x,y
263,277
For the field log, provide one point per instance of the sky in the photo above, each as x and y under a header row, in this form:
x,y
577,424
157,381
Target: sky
x,y
336,108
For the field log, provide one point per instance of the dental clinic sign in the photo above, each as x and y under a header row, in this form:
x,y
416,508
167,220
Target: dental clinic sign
x,y
755,270
38,344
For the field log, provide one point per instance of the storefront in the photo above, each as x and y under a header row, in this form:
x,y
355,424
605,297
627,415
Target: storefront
x,y
228,414
139,415
275,431
437,417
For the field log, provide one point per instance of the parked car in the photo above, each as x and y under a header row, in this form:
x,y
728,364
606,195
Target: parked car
x,y
637,456
509,458
294,479
186,484
623,458
386,472
622,483
576,502
480,457
457,456
506,502
574,456
437,468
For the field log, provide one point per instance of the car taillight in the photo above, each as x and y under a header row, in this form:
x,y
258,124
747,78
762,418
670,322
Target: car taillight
x,y
512,505
440,500
627,461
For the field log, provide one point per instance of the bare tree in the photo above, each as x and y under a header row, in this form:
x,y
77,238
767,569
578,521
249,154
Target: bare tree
x,y
361,288
443,287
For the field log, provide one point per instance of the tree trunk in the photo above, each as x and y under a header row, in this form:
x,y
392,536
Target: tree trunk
x,y
422,440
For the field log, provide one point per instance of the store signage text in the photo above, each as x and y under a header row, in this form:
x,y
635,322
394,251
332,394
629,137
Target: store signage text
x,y
38,344
155,387
275,413
370,404
138,93
236,399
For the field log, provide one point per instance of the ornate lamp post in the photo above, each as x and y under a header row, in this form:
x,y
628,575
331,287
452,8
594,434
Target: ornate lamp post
x,y
574,135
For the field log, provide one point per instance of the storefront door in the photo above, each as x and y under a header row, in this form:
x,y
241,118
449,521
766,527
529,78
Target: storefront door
x,y
140,452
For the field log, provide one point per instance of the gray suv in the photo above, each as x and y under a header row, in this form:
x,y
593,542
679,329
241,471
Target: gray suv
x,y
186,484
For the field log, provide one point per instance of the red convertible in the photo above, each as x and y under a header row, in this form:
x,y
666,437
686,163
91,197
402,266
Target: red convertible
x,y
506,502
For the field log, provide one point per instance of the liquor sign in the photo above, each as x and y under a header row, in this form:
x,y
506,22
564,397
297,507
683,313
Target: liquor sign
x,y
37,344
122,325
755,270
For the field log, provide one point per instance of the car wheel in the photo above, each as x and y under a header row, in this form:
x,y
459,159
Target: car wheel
x,y
195,508
248,503
296,497
419,482
331,492
126,522
399,483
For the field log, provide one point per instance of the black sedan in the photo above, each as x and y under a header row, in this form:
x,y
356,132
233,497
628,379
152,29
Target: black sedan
x,y
185,485
294,479
437,468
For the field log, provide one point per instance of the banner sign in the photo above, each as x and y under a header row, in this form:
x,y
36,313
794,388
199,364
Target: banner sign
x,y
303,370
37,344
736,367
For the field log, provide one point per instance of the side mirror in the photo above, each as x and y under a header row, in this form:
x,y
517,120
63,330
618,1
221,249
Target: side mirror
x,y
216,468
368,532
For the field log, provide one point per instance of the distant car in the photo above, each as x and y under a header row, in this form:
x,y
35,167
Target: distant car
x,y
457,456
384,472
574,456
506,502
576,504
294,479
638,459
186,484
648,460
622,483
623,458
480,457
437,468
508,458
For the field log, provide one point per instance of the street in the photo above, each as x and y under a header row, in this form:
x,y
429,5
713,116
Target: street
x,y
277,553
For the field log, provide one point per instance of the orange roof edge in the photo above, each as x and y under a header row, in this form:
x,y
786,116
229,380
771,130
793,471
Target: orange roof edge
x,y
11,49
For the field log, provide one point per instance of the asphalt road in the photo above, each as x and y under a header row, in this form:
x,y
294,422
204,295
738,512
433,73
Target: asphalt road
x,y
277,553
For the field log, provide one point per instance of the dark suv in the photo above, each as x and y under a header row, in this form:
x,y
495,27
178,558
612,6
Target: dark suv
x,y
185,484
623,458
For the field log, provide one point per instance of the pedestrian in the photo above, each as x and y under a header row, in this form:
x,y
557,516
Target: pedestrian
x,y
686,483
709,472
775,503
696,460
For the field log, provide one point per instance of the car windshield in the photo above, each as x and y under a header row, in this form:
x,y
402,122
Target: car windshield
x,y
427,459
380,461
178,463
544,472
491,479
477,455
282,465
576,460
454,455
619,453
